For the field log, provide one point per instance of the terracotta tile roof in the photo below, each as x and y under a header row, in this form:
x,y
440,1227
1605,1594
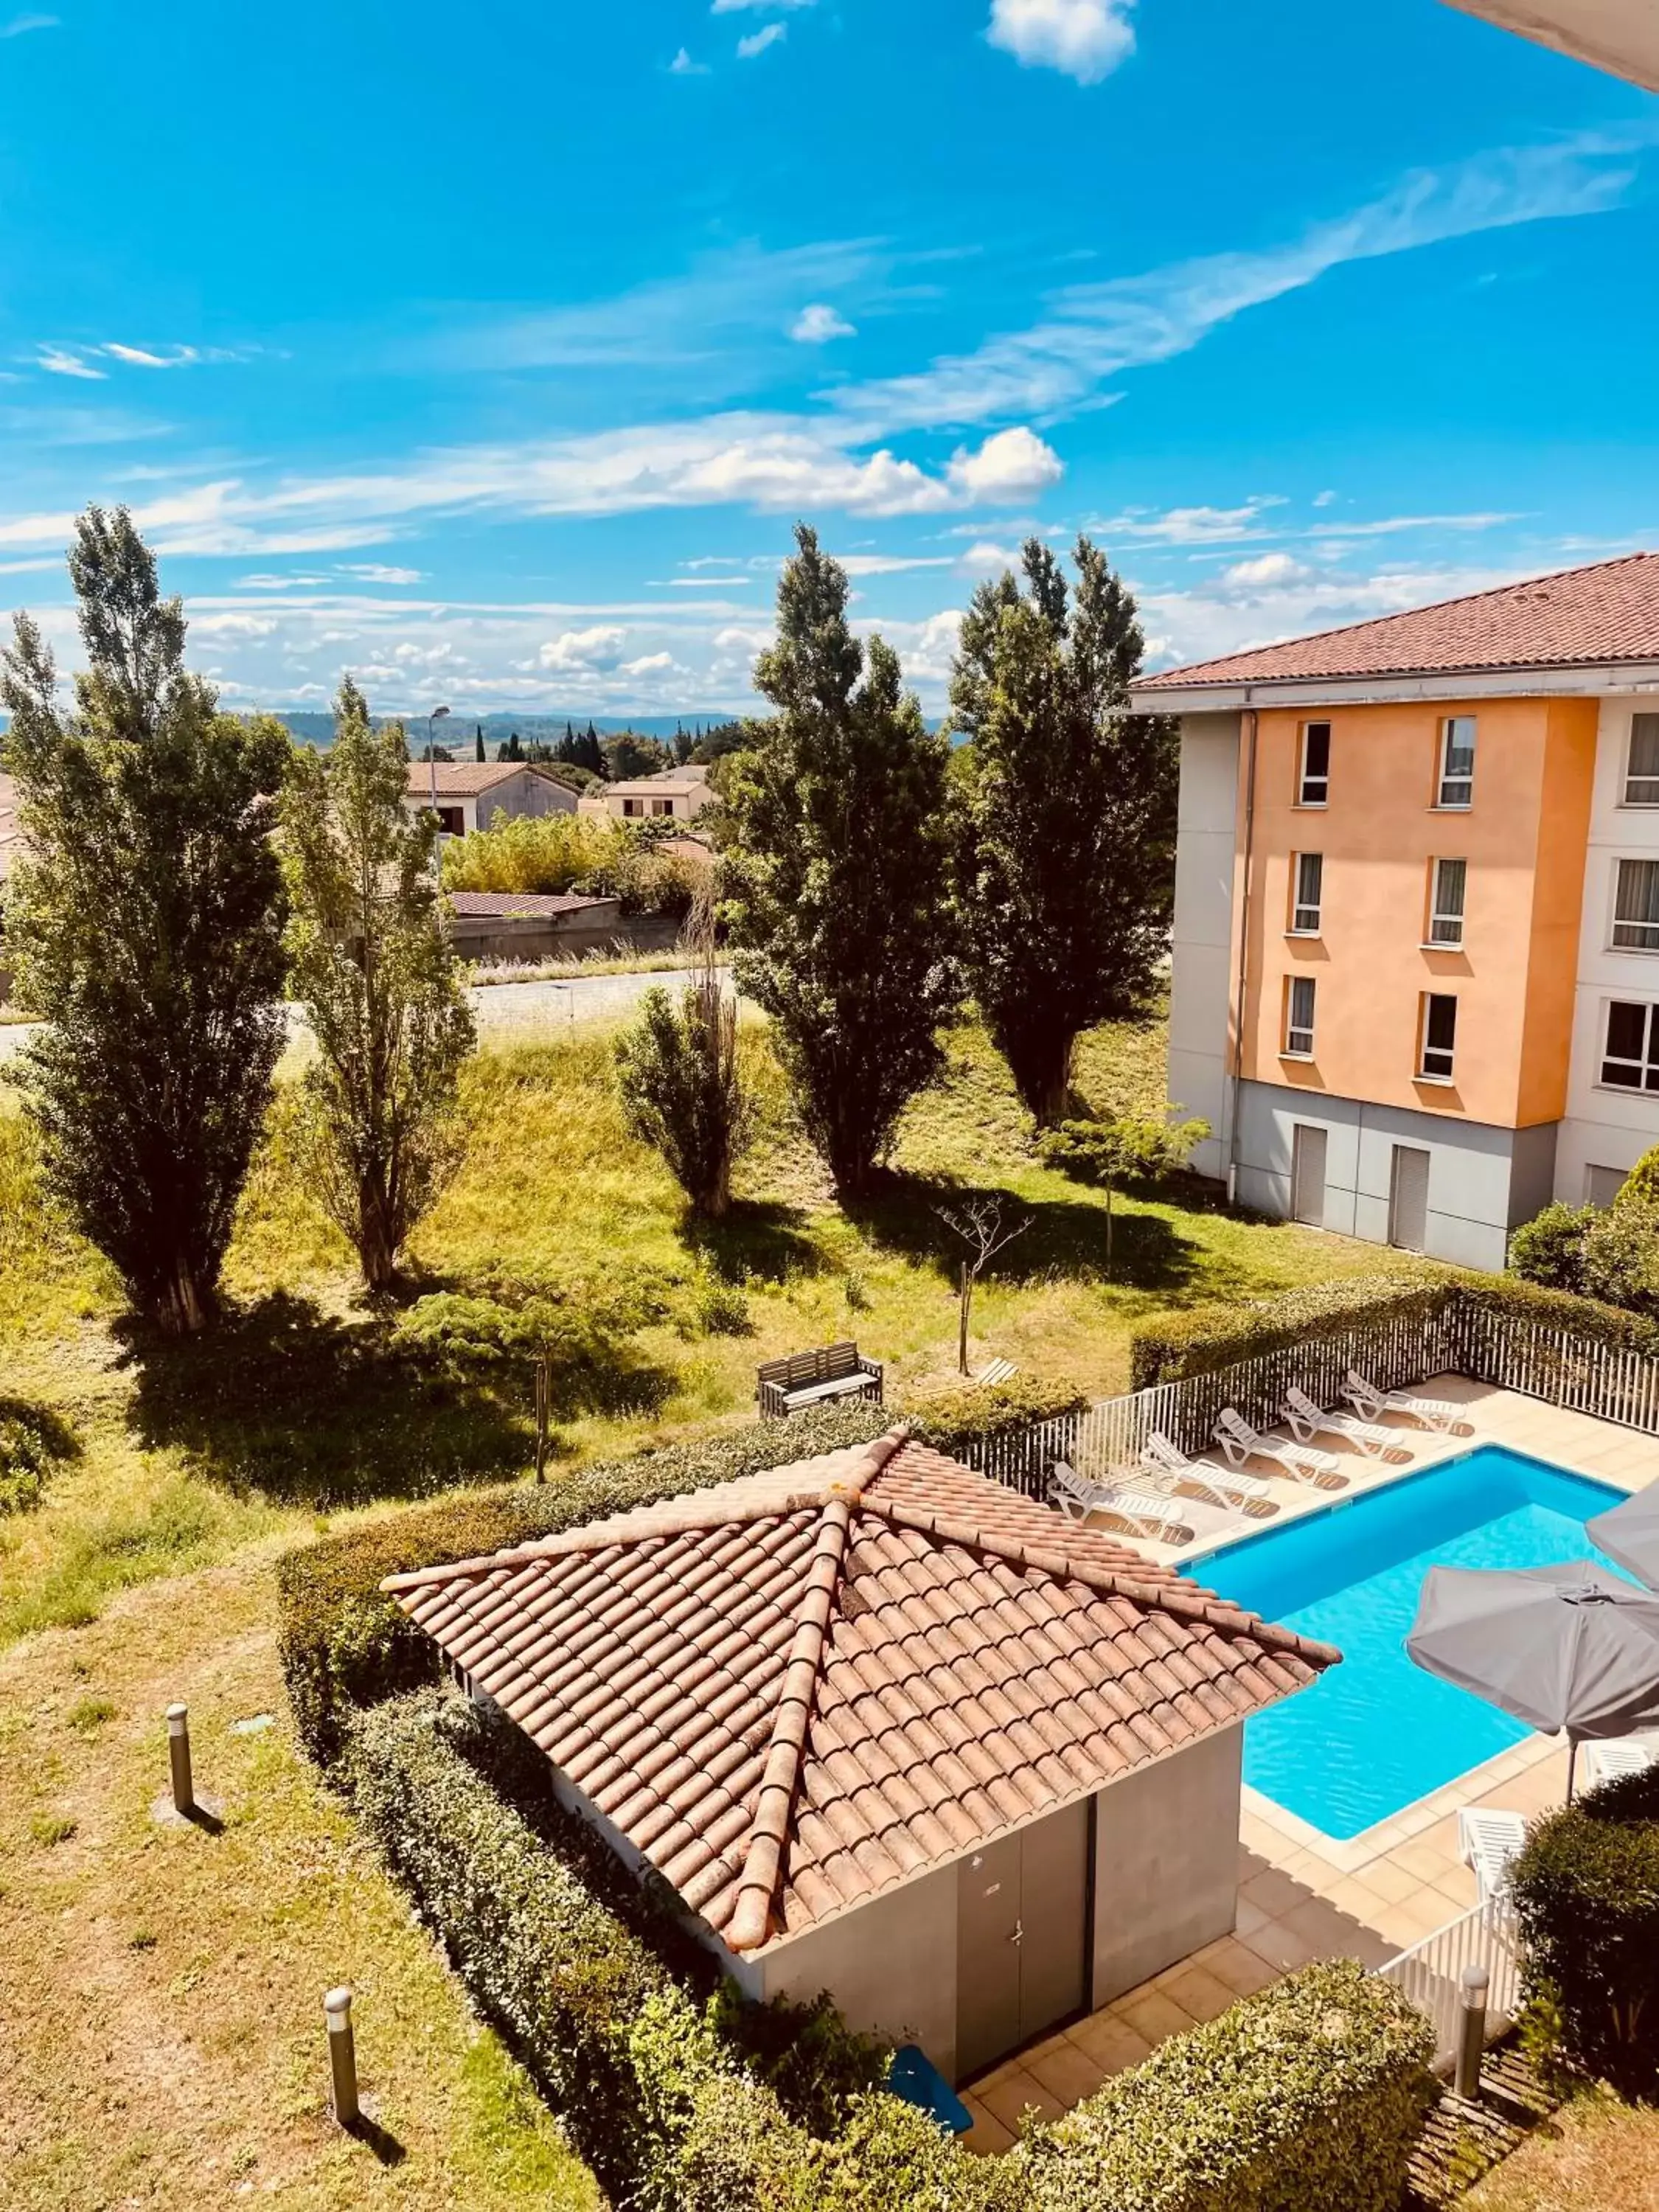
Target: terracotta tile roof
x,y
792,1692
1579,617
462,779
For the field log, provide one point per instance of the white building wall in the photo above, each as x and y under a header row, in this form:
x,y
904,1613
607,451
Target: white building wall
x,y
1200,986
1606,1126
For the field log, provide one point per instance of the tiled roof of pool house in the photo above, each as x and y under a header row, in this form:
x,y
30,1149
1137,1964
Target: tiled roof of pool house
x,y
791,1693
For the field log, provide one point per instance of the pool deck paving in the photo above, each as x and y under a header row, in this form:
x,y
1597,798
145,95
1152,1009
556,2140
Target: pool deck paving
x,y
1303,1895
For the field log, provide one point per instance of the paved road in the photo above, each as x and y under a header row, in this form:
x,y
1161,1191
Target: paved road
x,y
501,1007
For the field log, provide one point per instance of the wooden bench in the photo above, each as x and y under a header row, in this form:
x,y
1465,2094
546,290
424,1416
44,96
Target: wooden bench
x,y
813,1378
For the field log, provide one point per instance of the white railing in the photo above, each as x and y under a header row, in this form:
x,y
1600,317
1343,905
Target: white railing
x,y
1452,1333
1431,1973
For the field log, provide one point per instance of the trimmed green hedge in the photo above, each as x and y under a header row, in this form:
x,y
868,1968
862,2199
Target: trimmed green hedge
x,y
1586,1890
343,1644
950,1415
683,2100
1207,1338
680,2097
1308,2095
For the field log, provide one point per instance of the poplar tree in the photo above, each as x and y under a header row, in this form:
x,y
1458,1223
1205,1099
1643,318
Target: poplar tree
x,y
145,921
836,879
373,967
1065,816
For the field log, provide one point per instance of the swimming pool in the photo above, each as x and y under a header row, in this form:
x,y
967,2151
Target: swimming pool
x,y
1375,1733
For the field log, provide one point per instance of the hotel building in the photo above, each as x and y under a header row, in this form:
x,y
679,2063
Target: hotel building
x,y
1416,960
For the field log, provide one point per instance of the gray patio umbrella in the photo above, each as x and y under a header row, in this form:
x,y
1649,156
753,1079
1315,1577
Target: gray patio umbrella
x,y
1568,1648
1629,1534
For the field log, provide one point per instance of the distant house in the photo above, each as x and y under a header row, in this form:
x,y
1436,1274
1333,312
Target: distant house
x,y
470,794
678,794
886,1728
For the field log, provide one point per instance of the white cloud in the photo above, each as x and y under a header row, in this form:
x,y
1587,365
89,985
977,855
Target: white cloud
x,y
1324,498
21,26
983,557
770,7
61,361
1188,525
891,564
1389,525
584,650
145,356
819,324
1009,467
648,663
374,572
1267,570
758,41
1094,331
682,65
1084,39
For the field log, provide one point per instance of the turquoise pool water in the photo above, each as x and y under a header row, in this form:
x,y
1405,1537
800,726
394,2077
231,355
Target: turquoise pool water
x,y
1377,1733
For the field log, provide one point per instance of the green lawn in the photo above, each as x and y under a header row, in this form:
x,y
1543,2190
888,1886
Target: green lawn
x,y
293,1409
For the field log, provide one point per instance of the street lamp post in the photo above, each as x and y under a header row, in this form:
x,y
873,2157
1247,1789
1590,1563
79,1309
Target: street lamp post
x,y
432,722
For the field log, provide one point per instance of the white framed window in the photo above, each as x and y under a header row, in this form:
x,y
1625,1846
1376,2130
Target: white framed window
x,y
1630,1061
1307,886
1438,1044
1298,1016
1636,907
1642,761
1448,882
1313,778
1455,786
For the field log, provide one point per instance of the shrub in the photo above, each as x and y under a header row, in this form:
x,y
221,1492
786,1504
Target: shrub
x,y
682,2096
1205,1338
1621,1256
1641,1185
951,1415
1549,1249
1310,2094
33,1439
530,853
344,1643
678,1079
1132,1149
1586,1890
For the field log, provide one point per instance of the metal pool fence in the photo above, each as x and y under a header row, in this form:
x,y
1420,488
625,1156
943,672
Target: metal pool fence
x,y
1456,1336
1431,1973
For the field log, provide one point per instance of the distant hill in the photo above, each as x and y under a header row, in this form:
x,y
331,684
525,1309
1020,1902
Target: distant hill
x,y
459,732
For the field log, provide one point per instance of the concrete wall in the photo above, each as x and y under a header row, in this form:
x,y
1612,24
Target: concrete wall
x,y
891,1967
1482,1181
1606,1126
1166,1863
1201,955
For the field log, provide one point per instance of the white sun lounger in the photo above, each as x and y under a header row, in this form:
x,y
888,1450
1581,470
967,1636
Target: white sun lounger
x,y
1368,1402
1490,1842
1219,1485
1620,1755
1143,1510
1240,1442
1309,1420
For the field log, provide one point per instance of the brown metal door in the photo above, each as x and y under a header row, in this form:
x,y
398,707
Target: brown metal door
x,y
1054,1886
988,1947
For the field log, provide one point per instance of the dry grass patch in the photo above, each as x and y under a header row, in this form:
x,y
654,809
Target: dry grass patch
x,y
161,1989
1598,2156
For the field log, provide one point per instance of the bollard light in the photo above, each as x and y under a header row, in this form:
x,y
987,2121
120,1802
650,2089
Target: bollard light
x,y
183,1789
342,2056
1471,2032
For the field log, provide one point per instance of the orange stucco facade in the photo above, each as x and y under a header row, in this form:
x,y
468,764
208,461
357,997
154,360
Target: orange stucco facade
x,y
1524,839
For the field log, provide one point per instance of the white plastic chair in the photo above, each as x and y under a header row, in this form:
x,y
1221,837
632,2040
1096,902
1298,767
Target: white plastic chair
x,y
1143,1511
1307,1420
1490,1842
1240,1442
1368,1401
1619,1756
1217,1486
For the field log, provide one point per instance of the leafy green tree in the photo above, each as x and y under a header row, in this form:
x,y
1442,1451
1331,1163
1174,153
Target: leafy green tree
x,y
1066,815
372,964
627,755
677,1071
1641,1185
837,872
145,923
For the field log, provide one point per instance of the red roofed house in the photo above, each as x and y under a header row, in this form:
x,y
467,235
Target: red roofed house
x,y
1416,958
470,794
889,1730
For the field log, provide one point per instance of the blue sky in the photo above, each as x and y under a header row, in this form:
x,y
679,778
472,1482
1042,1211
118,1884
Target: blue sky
x,y
490,354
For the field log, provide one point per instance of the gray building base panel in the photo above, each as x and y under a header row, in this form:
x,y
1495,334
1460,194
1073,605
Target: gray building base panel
x,y
1482,1182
